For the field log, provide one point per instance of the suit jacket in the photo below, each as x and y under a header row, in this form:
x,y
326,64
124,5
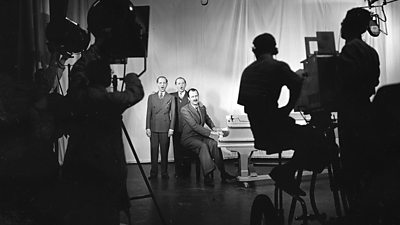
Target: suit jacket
x,y
160,113
193,125
179,103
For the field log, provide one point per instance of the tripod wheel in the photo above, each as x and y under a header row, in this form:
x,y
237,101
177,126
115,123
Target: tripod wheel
x,y
263,212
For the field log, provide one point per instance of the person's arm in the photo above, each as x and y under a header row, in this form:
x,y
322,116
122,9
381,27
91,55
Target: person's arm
x,y
148,116
77,76
173,116
187,116
132,94
216,132
293,82
208,120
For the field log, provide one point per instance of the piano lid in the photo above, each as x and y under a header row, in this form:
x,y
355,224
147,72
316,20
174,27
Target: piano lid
x,y
237,121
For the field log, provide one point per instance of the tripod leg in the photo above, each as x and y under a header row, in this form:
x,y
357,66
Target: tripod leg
x,y
142,172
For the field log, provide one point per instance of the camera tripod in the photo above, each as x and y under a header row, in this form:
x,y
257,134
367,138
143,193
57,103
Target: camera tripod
x,y
150,194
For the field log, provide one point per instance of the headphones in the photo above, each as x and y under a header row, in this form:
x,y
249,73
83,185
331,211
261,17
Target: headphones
x,y
273,50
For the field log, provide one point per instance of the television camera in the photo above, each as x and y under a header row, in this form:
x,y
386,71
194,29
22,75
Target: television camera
x,y
319,88
113,21
319,92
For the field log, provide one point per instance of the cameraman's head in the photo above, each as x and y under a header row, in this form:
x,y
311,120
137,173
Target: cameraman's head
x,y
264,44
355,23
98,73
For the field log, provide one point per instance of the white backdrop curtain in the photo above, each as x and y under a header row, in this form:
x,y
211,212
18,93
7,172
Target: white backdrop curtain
x,y
211,45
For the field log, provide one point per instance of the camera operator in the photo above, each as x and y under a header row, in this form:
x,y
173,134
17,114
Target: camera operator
x,y
30,117
95,165
358,74
78,77
273,129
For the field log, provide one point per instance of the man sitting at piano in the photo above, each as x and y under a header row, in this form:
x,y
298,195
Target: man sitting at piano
x,y
195,137
272,127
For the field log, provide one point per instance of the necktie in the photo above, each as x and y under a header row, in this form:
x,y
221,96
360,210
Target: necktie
x,y
198,112
161,95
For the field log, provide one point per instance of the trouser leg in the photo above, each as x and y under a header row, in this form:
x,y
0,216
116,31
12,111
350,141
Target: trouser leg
x,y
201,148
178,154
216,154
164,147
207,163
154,143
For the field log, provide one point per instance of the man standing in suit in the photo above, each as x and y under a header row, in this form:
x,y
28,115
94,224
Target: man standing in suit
x,y
182,168
160,121
197,138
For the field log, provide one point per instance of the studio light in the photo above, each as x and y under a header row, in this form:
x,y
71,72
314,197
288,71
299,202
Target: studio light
x,y
67,36
116,20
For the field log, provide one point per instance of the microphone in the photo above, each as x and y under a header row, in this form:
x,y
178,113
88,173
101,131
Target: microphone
x,y
373,27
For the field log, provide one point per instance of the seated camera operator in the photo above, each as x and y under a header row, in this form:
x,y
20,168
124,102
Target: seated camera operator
x,y
273,129
95,162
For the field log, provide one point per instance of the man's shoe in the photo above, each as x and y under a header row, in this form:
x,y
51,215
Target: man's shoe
x,y
208,181
227,178
284,180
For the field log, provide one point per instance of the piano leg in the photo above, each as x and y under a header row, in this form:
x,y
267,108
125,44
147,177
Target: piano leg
x,y
252,170
245,156
247,171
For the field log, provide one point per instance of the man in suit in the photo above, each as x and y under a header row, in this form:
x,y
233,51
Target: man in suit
x,y
160,121
182,168
200,140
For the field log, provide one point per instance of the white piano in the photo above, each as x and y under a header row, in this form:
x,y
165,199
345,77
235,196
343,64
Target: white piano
x,y
239,138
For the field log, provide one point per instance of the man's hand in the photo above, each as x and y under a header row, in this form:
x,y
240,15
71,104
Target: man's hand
x,y
170,132
133,78
135,85
148,132
218,131
215,135
302,73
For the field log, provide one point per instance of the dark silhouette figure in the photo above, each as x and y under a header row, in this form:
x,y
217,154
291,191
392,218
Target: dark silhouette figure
x,y
358,75
94,169
377,202
30,122
273,129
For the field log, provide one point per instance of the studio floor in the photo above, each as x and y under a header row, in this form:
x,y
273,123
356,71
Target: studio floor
x,y
189,202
